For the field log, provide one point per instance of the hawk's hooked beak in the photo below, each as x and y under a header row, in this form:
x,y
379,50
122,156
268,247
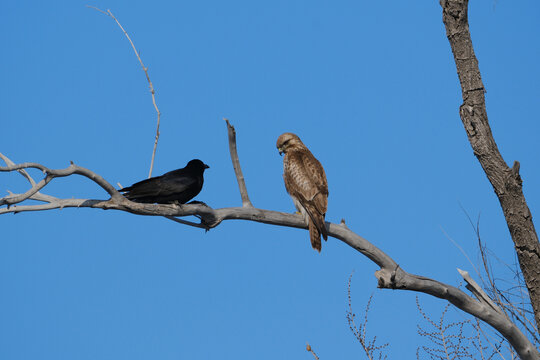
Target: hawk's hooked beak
x,y
280,150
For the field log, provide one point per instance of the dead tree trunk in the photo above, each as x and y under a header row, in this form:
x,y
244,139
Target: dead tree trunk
x,y
505,180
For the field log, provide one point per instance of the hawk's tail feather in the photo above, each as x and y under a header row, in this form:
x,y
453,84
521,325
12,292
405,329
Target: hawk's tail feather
x,y
321,226
324,232
314,236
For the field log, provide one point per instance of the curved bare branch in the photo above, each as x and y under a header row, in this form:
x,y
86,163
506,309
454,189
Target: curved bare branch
x,y
150,85
49,175
390,275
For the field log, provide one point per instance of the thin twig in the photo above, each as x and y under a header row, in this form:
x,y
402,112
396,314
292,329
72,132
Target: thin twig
x,y
485,261
308,348
500,297
462,251
486,336
359,331
236,165
447,339
151,86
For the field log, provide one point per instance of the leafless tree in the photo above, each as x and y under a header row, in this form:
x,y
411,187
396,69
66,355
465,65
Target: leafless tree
x,y
506,182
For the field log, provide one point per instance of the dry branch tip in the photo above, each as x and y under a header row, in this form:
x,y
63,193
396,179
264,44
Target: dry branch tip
x,y
236,165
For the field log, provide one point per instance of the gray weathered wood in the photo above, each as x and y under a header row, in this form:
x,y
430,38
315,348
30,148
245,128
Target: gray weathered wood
x,y
390,275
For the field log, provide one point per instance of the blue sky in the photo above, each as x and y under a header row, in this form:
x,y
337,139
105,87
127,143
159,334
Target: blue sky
x,y
370,87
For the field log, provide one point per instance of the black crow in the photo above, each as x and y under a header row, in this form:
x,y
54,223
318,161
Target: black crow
x,y
175,187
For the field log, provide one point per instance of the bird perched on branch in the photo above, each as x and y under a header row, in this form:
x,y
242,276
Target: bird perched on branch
x,y
175,187
305,181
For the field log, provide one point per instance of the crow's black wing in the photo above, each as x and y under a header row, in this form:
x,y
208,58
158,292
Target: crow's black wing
x,y
171,183
139,184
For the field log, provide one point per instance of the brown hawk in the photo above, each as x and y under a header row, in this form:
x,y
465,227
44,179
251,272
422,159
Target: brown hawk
x,y
305,181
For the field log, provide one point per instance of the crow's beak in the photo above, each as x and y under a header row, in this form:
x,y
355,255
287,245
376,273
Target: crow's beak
x,y
206,166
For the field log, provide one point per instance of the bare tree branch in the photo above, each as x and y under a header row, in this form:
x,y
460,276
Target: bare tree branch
x,y
505,180
390,275
51,174
236,165
150,85
22,171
